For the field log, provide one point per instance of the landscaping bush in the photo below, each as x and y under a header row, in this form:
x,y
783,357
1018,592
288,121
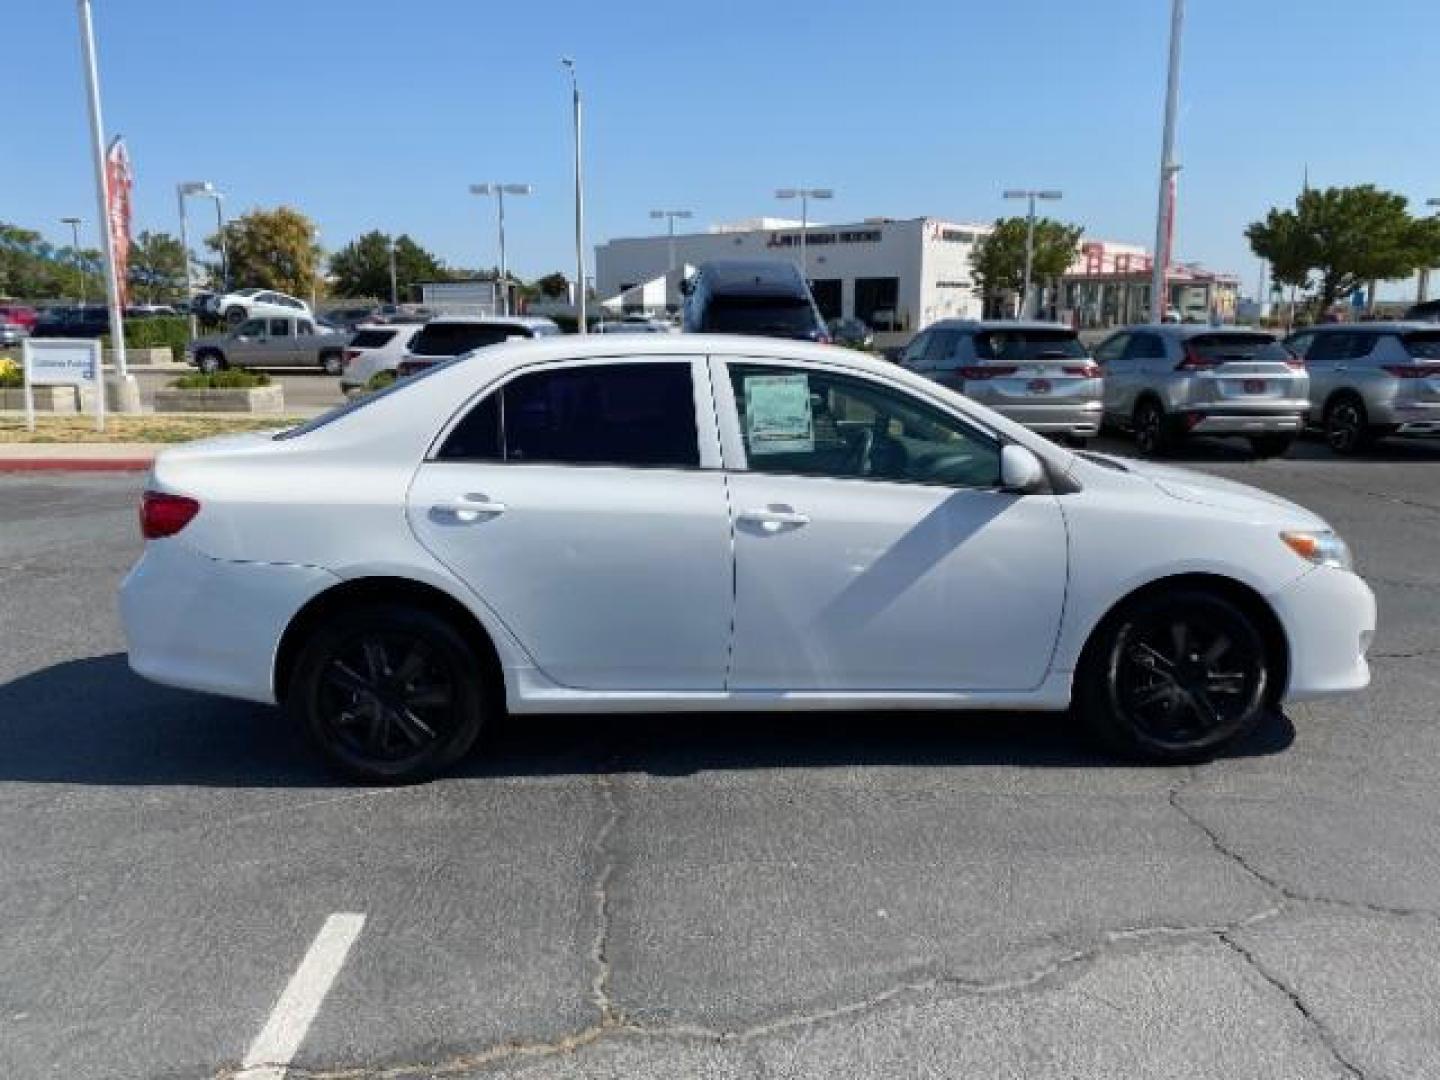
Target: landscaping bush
x,y
380,380
167,332
10,375
231,379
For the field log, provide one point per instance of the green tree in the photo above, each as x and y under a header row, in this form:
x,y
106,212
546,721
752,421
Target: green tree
x,y
998,260
1337,239
157,266
362,267
271,249
553,285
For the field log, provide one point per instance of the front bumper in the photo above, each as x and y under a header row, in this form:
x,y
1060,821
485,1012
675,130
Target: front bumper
x,y
1329,620
210,624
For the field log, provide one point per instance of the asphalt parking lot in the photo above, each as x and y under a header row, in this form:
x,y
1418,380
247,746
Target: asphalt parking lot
x,y
767,897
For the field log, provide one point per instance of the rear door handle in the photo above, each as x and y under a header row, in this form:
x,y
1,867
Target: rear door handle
x,y
469,508
775,518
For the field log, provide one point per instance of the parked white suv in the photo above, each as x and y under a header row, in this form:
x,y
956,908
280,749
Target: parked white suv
x,y
448,336
376,349
236,307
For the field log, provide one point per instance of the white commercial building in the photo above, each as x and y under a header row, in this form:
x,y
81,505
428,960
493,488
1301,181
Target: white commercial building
x,y
892,274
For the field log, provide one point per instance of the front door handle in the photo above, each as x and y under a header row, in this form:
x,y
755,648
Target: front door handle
x,y
469,508
775,517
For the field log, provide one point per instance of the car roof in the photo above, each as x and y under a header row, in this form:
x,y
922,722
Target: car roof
x,y
489,320
750,275
1395,326
986,325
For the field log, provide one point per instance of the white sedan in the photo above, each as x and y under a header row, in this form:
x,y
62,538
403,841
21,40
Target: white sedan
x,y
672,524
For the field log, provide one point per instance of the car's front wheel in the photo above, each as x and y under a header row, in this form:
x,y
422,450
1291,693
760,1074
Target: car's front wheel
x,y
234,315
1175,677
209,361
1347,427
388,693
332,363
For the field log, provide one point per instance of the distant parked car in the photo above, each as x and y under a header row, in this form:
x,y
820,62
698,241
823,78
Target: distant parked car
x,y
235,307
349,318
286,341
21,315
449,336
1165,383
375,349
1370,380
1425,311
12,333
764,297
89,321
851,332
1036,373
150,311
631,324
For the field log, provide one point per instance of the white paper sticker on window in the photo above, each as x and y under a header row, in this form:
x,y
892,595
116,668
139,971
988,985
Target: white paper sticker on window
x,y
778,417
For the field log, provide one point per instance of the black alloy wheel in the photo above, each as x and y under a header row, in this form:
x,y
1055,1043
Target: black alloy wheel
x,y
1176,677
1151,434
389,693
1346,426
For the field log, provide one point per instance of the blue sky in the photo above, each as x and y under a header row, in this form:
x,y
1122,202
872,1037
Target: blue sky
x,y
378,115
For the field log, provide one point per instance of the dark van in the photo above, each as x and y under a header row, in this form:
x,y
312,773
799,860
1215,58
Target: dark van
x,y
759,297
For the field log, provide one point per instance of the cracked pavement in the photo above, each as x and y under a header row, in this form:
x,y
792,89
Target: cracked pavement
x,y
757,897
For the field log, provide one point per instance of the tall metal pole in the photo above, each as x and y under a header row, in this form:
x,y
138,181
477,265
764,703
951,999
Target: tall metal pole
x,y
74,223
394,291
102,188
670,219
220,232
185,250
504,272
1029,256
582,324
1165,215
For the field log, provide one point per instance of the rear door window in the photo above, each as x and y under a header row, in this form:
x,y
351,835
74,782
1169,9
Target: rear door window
x,y
1011,346
1423,344
452,339
1145,347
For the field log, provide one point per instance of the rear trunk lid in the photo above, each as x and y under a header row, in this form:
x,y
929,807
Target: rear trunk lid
x,y
1244,368
1033,365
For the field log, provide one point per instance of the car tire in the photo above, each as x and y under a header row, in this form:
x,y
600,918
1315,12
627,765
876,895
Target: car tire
x,y
1271,446
388,693
209,361
235,315
1152,429
1171,696
1347,425
332,363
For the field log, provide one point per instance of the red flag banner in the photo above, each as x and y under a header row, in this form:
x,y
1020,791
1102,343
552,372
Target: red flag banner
x,y
118,182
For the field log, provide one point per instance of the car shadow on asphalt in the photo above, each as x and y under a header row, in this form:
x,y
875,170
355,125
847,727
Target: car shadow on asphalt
x,y
93,721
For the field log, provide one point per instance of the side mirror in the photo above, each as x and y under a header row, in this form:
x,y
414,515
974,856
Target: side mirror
x,y
1020,470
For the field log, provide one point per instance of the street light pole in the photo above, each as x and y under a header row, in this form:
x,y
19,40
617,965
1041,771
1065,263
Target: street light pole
x,y
582,325
220,232
1422,285
74,223
1030,196
500,191
804,195
190,187
1165,213
670,216
102,192
394,290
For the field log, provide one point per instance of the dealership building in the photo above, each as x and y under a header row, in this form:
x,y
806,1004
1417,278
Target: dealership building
x,y
897,274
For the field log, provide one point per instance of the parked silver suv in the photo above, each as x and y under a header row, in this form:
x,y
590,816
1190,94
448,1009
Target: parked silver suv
x,y
1368,380
1164,383
1036,373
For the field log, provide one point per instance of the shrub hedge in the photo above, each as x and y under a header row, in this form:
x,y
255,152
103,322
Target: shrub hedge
x,y
230,379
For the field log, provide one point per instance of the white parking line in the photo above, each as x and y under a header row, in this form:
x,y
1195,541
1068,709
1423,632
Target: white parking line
x,y
274,1048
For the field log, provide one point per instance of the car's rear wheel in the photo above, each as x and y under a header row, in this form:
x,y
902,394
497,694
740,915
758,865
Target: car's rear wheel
x,y
1175,677
234,315
388,693
332,363
209,361
1270,446
1152,429
1347,427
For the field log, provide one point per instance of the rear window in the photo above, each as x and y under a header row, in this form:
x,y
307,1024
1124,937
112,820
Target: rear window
x,y
371,339
1224,347
1423,345
1028,345
772,316
452,339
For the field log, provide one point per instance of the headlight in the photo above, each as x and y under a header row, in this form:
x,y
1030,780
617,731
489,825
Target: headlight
x,y
1323,548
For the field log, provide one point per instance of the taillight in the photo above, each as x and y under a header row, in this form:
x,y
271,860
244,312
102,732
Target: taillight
x,y
163,515
1413,371
1085,371
351,355
979,374
1194,361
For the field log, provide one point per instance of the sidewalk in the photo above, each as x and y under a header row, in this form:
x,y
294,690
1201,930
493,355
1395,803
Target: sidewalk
x,y
77,457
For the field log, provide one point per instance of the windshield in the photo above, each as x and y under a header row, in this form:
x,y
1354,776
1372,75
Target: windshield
x,y
1013,345
775,316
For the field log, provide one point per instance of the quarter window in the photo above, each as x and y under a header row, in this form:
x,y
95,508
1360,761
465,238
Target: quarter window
x,y
605,414
279,327
1112,349
817,424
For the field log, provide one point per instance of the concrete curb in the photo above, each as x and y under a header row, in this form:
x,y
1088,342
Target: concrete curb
x,y
64,464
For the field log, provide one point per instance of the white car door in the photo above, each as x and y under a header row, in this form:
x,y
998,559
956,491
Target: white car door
x,y
584,504
874,549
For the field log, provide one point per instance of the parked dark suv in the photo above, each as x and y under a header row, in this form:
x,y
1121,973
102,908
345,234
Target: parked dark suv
x,y
761,297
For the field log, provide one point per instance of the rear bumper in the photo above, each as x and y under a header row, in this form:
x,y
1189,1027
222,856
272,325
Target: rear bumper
x,y
1080,419
1329,619
1229,420
209,624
